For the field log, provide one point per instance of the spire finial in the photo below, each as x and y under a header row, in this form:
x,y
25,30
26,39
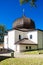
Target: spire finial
x,y
23,11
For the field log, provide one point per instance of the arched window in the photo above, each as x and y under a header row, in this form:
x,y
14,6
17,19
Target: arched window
x,y
19,37
30,36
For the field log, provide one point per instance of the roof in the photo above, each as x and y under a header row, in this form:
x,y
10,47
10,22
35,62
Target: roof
x,y
25,42
26,30
24,22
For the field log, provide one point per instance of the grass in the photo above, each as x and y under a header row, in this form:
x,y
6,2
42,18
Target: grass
x,y
22,61
34,52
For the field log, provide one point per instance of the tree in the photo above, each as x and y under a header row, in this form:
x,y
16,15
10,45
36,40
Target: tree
x,y
2,31
31,2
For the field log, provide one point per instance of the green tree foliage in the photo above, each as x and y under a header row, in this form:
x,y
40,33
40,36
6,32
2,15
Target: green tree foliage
x,y
31,2
2,31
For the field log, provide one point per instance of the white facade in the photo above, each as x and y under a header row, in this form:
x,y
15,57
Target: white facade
x,y
34,36
6,41
26,35
40,39
13,37
23,47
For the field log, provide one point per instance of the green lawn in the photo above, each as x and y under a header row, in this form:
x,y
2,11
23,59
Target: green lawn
x,y
33,52
22,61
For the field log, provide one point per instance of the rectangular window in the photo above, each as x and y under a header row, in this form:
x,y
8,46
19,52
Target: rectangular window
x,y
29,47
26,47
30,36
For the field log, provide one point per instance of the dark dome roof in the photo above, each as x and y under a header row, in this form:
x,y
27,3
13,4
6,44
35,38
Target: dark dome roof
x,y
24,22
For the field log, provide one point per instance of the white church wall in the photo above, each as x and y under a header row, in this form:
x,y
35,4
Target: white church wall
x,y
18,48
26,35
34,36
23,47
17,33
6,41
40,39
11,39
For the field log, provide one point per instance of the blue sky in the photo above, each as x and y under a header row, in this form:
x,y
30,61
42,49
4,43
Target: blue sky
x,y
10,10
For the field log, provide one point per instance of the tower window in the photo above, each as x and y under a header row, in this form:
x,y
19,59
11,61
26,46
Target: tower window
x,y
19,37
30,36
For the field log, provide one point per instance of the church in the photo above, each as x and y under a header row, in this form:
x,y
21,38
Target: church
x,y
23,36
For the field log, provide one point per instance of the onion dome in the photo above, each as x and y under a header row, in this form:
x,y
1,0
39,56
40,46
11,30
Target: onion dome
x,y
24,23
